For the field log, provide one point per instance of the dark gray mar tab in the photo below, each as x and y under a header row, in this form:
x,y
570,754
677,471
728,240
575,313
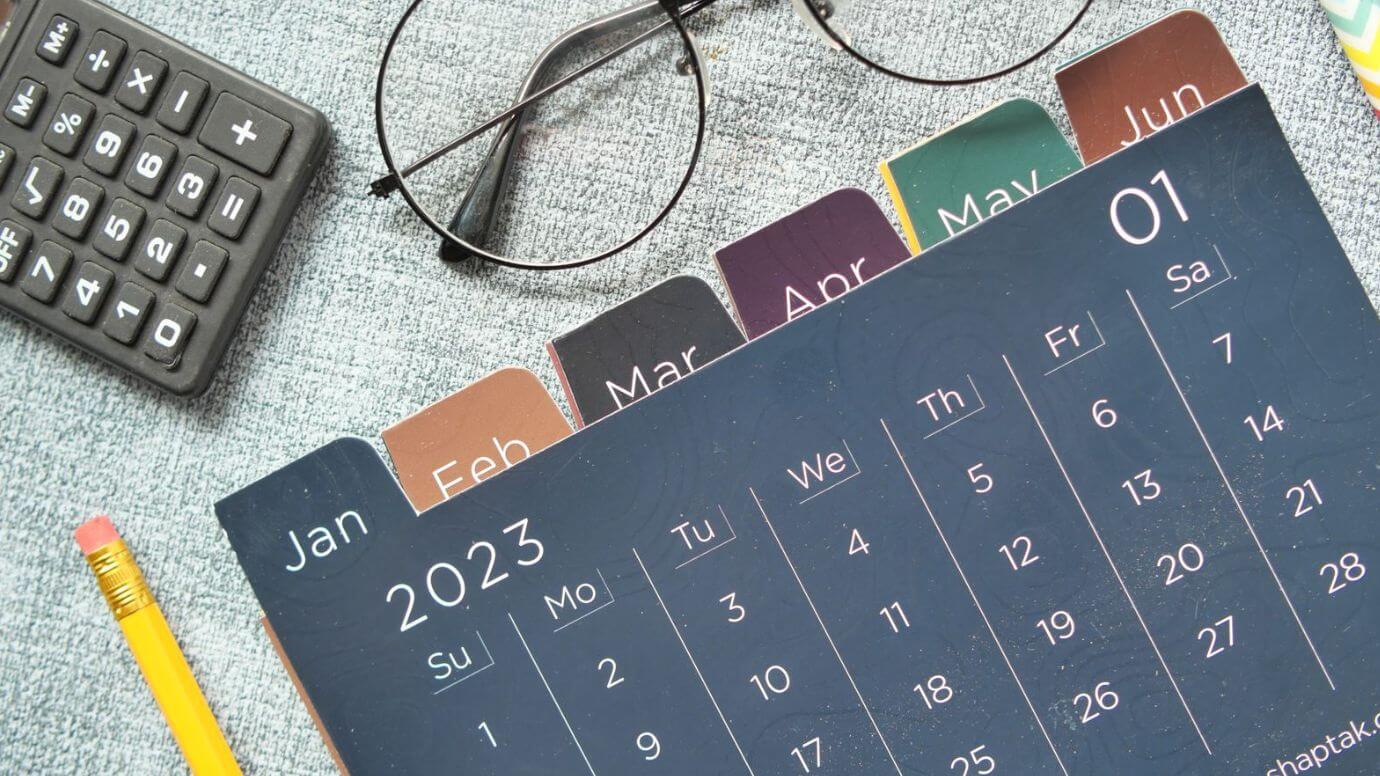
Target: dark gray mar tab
x,y
245,133
643,345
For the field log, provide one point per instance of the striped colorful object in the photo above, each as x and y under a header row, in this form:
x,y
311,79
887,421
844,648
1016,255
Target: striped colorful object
x,y
1358,27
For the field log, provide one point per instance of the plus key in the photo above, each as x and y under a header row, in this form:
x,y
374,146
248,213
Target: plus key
x,y
244,133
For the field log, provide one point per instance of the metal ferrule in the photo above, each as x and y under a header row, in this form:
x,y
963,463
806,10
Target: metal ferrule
x,y
120,580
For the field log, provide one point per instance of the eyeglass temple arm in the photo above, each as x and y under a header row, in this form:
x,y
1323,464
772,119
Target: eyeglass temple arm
x,y
475,216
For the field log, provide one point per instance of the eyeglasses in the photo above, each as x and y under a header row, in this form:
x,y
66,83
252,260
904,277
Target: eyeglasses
x,y
602,137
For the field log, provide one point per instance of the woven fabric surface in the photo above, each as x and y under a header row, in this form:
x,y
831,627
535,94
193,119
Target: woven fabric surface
x,y
356,324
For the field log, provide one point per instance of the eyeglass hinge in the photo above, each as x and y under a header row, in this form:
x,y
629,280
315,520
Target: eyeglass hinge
x,y
384,186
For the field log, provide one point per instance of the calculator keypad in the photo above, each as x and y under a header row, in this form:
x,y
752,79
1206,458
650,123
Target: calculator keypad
x,y
134,174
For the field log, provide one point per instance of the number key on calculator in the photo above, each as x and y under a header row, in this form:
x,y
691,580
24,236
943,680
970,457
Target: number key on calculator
x,y
143,187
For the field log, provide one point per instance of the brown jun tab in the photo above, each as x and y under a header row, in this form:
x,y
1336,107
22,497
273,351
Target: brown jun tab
x,y
472,435
1151,78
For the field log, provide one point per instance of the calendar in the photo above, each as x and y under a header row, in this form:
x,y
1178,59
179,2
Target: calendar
x,y
1088,489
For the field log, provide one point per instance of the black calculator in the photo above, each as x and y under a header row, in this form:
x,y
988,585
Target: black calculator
x,y
143,187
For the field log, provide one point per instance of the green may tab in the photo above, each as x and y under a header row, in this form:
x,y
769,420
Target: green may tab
x,y
976,169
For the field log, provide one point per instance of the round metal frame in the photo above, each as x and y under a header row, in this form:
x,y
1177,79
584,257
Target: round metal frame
x,y
702,94
843,43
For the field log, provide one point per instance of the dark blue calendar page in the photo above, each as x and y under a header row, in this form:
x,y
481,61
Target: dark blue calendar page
x,y
1090,489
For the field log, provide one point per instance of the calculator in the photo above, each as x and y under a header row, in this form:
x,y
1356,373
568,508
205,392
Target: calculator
x,y
143,187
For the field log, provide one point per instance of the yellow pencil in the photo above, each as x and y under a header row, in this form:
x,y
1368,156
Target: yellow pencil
x,y
1357,23
160,659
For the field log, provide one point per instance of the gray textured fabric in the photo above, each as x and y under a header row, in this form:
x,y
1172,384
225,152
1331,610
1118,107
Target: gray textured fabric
x,y
356,325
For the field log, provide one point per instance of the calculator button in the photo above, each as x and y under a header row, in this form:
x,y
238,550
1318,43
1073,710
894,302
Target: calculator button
x,y
109,146
201,271
6,162
151,165
127,313
244,133
26,102
182,103
103,56
46,271
168,334
84,298
233,209
14,243
141,82
192,186
160,250
69,124
117,231
57,40
78,209
36,191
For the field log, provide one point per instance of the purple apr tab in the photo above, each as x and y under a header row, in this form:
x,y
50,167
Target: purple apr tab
x,y
818,253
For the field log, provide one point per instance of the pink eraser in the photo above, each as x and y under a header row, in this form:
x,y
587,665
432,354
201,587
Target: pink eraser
x,y
95,534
